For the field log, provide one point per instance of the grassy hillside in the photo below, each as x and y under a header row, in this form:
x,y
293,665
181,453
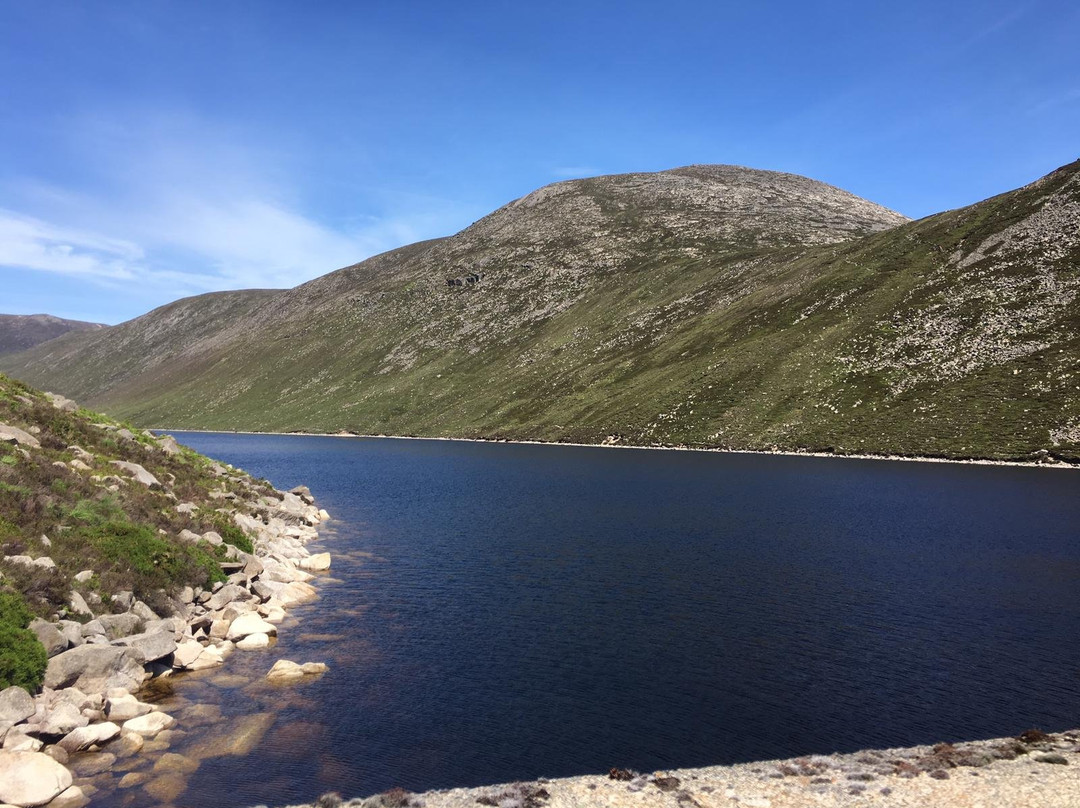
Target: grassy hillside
x,y
707,306
67,507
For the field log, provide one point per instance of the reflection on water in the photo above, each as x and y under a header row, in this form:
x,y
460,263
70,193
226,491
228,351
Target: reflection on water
x,y
501,612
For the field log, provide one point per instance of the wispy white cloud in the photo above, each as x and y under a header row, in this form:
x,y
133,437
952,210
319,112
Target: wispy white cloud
x,y
29,243
183,207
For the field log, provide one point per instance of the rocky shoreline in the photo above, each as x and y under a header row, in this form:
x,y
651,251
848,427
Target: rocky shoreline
x,y
95,712
1033,770
1044,461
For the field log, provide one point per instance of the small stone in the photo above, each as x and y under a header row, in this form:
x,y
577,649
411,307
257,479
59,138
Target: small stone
x,y
1060,760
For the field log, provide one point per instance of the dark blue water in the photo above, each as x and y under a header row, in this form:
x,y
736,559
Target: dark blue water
x,y
544,611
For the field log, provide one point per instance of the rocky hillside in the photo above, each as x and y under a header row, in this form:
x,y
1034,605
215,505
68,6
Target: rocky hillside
x,y
705,306
21,331
124,557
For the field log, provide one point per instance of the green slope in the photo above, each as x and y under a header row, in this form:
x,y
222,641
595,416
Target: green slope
x,y
706,306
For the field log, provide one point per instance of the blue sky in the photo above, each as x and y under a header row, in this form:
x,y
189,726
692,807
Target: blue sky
x,y
153,150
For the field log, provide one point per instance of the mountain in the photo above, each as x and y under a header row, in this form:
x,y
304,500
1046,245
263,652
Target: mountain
x,y
704,306
21,331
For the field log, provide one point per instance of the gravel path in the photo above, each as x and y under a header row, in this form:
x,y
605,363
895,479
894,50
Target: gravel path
x,y
1034,770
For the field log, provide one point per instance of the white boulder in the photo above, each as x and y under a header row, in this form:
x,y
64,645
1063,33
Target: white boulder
x,y
150,724
31,778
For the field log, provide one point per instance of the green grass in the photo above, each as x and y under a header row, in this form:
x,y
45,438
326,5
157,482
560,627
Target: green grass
x,y
128,537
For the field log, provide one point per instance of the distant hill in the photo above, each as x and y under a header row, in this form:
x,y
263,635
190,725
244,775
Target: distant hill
x,y
704,306
21,331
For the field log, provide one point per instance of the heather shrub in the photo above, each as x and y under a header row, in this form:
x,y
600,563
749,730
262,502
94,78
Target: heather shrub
x,y
22,656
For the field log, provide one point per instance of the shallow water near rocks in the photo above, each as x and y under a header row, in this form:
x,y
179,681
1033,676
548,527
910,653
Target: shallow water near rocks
x,y
499,612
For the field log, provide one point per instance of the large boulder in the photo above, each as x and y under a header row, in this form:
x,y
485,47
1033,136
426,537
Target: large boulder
x,y
140,474
18,741
95,669
226,595
12,434
62,403
122,706
151,645
30,778
63,718
72,797
250,623
116,626
49,636
187,651
254,642
316,563
150,724
15,705
84,737
70,631
78,604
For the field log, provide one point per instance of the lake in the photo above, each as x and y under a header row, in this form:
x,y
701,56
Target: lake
x,y
499,612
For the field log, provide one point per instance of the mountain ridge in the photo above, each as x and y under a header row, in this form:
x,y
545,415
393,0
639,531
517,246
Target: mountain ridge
x,y
705,306
19,332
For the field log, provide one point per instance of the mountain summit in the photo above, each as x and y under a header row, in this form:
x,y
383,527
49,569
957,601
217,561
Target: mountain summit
x,y
706,305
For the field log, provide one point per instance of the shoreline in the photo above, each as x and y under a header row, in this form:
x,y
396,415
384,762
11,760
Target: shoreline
x,y
1032,770
120,737
1057,464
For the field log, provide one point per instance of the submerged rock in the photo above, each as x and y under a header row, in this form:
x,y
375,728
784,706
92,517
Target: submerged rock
x,y
236,739
286,670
